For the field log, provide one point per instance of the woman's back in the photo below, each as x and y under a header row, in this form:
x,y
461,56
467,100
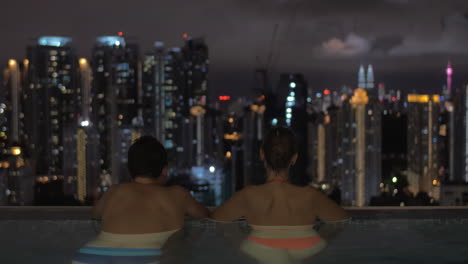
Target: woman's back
x,y
278,203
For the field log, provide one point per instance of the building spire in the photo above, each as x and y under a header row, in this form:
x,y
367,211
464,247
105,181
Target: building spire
x,y
361,77
449,72
370,77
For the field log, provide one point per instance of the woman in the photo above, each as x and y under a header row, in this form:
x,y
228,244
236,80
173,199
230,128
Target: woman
x,y
139,217
281,215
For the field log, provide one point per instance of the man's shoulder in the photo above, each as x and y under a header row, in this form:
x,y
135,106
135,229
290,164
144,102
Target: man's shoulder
x,y
178,190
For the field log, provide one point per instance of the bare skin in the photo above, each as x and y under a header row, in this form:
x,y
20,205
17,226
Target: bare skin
x,y
146,206
279,203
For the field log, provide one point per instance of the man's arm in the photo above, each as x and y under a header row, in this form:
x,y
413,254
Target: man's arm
x,y
192,207
233,209
98,208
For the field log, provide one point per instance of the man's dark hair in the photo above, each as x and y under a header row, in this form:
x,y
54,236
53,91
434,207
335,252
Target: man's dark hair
x,y
279,148
146,158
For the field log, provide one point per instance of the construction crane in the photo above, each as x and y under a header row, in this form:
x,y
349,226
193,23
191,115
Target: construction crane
x,y
263,71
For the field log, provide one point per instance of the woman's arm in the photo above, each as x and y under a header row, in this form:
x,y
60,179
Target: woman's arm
x,y
192,207
326,209
233,209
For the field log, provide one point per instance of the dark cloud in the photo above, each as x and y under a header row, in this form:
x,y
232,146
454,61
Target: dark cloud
x,y
313,36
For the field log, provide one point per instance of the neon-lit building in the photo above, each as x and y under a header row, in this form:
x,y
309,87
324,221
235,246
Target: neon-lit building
x,y
449,73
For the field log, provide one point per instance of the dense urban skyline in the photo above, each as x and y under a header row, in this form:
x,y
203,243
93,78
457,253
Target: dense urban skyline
x,y
409,42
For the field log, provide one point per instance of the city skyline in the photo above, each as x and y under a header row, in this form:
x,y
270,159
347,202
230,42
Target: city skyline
x,y
324,41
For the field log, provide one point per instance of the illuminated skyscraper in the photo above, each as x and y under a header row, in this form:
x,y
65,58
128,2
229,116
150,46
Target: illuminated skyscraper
x,y
423,142
18,183
174,107
361,147
115,101
449,72
370,77
195,55
381,91
51,107
153,97
293,87
196,62
362,77
366,79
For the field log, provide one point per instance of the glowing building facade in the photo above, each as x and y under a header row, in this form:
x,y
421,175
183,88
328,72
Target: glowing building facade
x,y
423,142
51,106
115,102
366,78
293,87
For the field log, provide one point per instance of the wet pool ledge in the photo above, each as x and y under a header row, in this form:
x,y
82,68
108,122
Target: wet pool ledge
x,y
360,213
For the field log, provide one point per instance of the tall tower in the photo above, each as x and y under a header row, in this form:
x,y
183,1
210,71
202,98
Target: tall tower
x,y
449,72
51,107
115,102
361,77
14,91
196,62
359,102
423,141
370,77
295,116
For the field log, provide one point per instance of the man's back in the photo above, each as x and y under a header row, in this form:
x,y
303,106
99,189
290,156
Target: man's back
x,y
134,208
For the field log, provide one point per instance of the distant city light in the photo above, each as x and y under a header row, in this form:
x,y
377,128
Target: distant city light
x,y
54,41
159,44
394,179
435,182
16,151
326,92
12,63
228,154
290,99
212,169
288,115
292,85
449,71
120,34
110,41
231,120
309,99
185,35
274,122
224,98
318,95
83,61
288,110
84,123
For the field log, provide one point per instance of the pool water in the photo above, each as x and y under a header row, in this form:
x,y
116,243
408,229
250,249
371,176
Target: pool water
x,y
361,241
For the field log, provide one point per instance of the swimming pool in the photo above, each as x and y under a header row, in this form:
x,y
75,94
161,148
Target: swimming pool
x,y
375,236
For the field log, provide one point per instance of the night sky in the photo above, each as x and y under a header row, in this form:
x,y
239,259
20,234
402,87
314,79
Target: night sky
x,y
408,42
